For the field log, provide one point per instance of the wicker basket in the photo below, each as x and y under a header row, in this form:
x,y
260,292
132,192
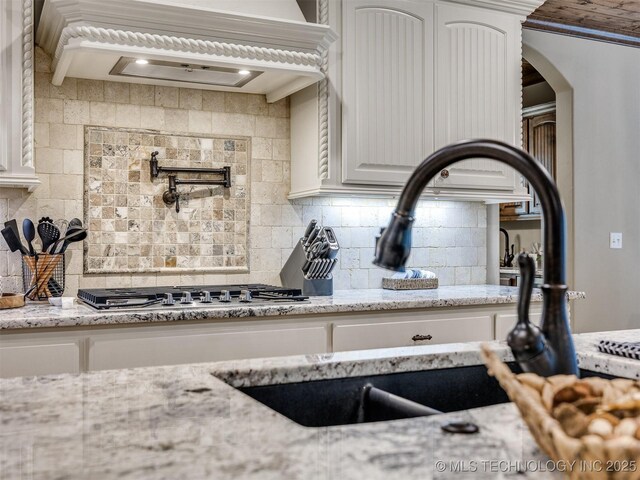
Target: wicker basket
x,y
613,456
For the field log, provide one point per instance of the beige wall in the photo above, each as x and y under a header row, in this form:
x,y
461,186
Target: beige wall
x,y
449,238
604,79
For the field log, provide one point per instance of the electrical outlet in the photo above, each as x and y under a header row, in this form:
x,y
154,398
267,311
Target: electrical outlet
x,y
615,240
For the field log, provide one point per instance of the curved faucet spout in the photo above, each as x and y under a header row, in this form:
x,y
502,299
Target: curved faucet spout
x,y
394,244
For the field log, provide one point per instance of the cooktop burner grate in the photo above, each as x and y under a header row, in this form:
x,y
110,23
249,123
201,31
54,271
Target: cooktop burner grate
x,y
105,298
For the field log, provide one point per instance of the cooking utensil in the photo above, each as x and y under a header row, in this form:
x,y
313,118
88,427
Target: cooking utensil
x,y
310,228
29,231
48,233
13,242
14,226
62,224
45,219
75,222
73,235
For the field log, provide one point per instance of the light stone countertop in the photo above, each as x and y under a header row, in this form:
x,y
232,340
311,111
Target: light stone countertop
x,y
42,315
183,422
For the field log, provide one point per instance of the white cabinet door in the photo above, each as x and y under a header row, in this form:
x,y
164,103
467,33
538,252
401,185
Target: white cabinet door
x,y
460,328
126,351
387,110
506,321
45,359
477,75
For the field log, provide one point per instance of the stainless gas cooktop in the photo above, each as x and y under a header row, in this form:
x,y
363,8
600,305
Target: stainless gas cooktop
x,y
188,296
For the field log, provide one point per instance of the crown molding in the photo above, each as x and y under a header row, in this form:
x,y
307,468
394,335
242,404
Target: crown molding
x,y
519,7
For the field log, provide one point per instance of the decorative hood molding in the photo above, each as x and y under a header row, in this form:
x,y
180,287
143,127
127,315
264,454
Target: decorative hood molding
x,y
87,38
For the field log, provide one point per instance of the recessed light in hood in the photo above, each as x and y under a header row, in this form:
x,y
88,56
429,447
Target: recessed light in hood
x,y
183,72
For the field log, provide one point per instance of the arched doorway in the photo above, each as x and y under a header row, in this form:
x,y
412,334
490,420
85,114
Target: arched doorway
x,y
564,141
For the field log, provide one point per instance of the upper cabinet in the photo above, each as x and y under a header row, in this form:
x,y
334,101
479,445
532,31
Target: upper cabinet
x,y
387,89
17,168
406,78
477,90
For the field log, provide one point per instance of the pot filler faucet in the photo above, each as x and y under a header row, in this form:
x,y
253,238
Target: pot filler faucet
x,y
547,350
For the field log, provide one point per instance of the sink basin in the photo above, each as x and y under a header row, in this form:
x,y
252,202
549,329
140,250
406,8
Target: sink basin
x,y
323,403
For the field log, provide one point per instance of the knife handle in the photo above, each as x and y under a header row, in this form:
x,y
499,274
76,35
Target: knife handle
x,y
312,236
310,228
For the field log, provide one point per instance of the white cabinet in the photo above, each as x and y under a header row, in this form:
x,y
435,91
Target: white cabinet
x,y
16,95
79,349
408,77
387,102
438,329
126,350
506,321
477,90
39,359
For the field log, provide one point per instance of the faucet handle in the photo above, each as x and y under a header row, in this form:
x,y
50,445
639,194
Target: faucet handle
x,y
526,340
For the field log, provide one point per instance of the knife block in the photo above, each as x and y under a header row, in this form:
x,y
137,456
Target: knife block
x,y
292,275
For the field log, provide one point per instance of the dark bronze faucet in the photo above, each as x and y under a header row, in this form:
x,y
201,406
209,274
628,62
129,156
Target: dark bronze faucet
x,y
507,261
547,350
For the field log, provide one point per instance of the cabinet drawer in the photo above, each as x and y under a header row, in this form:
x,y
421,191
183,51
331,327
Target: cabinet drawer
x,y
27,360
123,352
506,321
421,332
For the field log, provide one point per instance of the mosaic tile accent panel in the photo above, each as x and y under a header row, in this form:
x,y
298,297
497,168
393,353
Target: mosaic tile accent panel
x,y
130,227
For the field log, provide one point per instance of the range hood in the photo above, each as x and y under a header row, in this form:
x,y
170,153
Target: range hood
x,y
249,46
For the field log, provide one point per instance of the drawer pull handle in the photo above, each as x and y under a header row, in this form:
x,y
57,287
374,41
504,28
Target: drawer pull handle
x,y
444,173
417,338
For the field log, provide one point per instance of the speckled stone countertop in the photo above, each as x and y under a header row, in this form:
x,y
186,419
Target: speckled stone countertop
x,y
185,422
42,315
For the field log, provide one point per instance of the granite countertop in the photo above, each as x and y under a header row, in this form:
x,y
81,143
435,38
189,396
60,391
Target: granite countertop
x,y
184,422
41,314
516,270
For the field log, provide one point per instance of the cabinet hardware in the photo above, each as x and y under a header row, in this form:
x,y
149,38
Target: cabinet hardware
x,y
417,338
444,173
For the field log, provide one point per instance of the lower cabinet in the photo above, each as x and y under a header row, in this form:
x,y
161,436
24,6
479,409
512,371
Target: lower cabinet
x,y
80,349
506,321
39,359
364,336
118,351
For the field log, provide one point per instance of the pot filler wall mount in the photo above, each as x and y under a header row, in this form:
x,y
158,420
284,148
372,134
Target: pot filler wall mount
x,y
547,350
171,196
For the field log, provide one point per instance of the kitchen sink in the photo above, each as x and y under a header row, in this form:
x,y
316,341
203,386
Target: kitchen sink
x,y
377,398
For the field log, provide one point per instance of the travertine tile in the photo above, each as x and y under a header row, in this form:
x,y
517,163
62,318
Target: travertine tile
x,y
213,101
190,99
199,122
103,113
152,117
130,227
77,112
48,110
67,91
116,92
128,115
90,90
50,160
142,94
167,97
177,120
62,136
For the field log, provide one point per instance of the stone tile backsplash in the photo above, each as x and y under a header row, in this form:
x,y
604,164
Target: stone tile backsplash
x,y
449,237
130,227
